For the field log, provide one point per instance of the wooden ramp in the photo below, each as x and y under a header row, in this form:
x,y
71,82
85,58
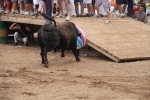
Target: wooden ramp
x,y
122,40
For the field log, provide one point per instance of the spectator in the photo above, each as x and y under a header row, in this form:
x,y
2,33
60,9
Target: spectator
x,y
61,13
135,8
140,15
63,4
7,10
21,33
90,8
77,4
1,6
14,7
52,15
117,8
93,5
7,4
21,5
72,8
123,11
44,5
57,10
105,4
139,2
68,10
102,12
112,5
28,7
36,7
143,3
148,8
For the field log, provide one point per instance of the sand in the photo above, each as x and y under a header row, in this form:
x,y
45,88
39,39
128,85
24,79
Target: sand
x,y
96,77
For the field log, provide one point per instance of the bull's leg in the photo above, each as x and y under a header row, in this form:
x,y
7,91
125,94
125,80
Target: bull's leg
x,y
62,53
78,52
42,55
45,55
74,50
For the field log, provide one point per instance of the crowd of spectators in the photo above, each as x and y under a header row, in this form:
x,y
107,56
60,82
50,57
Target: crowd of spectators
x,y
141,10
74,8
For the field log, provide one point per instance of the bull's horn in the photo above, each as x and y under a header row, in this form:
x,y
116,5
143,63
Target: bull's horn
x,y
47,17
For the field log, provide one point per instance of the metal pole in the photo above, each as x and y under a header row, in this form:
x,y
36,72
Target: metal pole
x,y
130,8
48,10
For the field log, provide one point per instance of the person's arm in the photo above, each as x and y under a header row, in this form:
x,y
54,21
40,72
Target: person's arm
x,y
135,17
145,19
27,28
13,27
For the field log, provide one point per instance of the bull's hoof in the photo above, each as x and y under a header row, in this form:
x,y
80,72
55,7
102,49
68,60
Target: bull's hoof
x,y
44,62
78,60
62,55
46,65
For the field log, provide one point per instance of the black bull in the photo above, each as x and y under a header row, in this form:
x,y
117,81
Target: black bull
x,y
62,36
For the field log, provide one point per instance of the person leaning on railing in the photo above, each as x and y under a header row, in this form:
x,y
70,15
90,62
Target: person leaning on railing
x,y
140,15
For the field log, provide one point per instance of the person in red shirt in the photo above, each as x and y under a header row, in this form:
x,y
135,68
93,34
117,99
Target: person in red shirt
x,y
135,8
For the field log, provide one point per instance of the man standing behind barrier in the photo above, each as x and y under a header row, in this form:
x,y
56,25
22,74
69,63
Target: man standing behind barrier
x,y
140,15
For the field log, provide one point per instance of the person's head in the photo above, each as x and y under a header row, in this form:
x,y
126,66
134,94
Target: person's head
x,y
141,8
18,26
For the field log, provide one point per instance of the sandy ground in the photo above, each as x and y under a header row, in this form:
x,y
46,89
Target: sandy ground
x,y
96,77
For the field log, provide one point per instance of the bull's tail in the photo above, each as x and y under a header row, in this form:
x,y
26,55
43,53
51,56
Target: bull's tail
x,y
49,18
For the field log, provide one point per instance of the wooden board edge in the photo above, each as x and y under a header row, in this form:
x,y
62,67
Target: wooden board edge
x,y
134,59
103,51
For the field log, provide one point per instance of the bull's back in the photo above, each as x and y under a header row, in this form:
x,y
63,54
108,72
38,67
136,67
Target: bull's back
x,y
68,29
68,34
48,38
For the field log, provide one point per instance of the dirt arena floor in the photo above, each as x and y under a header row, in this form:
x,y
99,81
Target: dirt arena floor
x,y
96,77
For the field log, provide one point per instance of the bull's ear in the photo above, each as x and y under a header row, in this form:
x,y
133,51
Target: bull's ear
x,y
47,17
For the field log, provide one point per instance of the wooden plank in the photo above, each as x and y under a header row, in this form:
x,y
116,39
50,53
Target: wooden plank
x,y
122,40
